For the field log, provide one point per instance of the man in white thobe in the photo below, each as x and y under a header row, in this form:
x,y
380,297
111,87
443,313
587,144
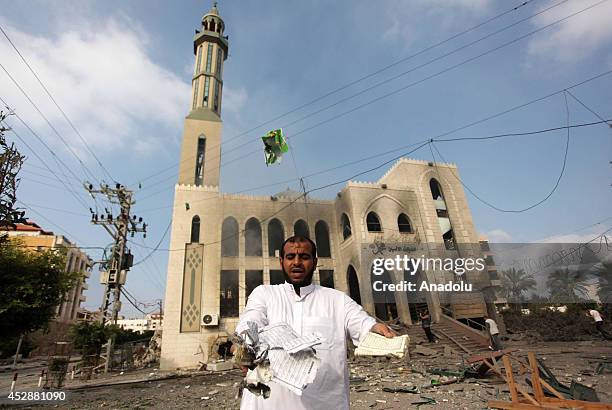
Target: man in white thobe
x,y
309,308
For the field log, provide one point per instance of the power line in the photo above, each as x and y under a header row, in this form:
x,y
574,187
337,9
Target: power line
x,y
156,246
552,191
418,81
335,117
56,104
585,106
62,181
435,139
85,169
29,207
420,145
365,77
124,293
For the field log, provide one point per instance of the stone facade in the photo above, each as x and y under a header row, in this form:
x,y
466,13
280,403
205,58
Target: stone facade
x,y
225,244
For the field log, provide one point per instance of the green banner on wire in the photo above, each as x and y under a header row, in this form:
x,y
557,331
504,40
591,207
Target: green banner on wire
x,y
275,146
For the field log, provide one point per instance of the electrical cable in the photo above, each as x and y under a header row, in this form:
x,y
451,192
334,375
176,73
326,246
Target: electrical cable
x,y
345,86
156,246
62,181
497,208
85,169
333,118
585,106
56,104
452,67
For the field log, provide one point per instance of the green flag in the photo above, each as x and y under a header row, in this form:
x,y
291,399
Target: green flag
x,y
274,146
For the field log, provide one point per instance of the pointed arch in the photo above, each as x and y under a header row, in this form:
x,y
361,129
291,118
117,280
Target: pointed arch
x,y
301,228
252,236
195,229
229,237
403,223
322,239
373,222
200,158
345,224
276,236
353,284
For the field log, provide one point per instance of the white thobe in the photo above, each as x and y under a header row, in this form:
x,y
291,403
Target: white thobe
x,y
327,312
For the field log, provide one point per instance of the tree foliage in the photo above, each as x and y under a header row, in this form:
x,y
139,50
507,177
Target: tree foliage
x,y
567,286
33,284
10,164
90,336
516,283
604,279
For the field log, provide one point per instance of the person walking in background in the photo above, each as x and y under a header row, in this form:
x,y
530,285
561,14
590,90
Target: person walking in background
x,y
599,323
426,323
493,333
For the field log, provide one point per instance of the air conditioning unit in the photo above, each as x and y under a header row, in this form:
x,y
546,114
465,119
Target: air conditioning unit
x,y
210,319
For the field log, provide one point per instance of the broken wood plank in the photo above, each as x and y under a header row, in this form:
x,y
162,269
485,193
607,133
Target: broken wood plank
x,y
510,379
498,404
492,355
535,377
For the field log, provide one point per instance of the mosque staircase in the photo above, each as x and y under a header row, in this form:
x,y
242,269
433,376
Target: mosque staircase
x,y
452,333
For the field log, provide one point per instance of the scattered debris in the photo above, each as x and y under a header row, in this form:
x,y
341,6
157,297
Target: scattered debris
x,y
425,351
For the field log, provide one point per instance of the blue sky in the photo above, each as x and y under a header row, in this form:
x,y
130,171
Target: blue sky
x,y
122,72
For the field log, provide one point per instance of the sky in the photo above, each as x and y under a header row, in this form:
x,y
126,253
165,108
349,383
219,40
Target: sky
x,y
121,72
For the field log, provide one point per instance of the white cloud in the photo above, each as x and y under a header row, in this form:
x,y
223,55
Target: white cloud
x,y
572,238
402,17
234,99
575,38
498,236
103,79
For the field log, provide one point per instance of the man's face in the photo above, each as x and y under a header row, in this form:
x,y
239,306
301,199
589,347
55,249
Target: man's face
x,y
298,263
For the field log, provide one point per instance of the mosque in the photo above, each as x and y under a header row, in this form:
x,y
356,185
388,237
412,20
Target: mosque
x,y
228,244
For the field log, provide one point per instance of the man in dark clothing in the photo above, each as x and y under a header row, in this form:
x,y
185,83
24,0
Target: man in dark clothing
x,y
426,323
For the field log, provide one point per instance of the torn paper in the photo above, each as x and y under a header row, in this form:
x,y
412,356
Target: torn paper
x,y
374,344
292,370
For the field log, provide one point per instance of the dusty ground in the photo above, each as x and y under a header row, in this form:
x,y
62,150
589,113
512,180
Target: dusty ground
x,y
568,361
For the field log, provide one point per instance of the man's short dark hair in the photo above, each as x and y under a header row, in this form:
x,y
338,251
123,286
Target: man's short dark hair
x,y
298,239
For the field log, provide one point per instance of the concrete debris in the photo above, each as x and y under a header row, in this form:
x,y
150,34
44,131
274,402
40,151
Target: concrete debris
x,y
425,351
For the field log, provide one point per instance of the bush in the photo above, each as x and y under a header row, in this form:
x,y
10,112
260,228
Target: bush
x,y
8,347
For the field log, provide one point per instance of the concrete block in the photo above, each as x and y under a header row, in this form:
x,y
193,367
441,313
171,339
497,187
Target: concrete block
x,y
220,366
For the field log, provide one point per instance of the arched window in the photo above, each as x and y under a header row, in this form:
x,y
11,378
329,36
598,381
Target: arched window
x,y
301,228
205,25
403,224
212,25
346,226
229,237
252,236
442,212
322,239
200,156
436,190
195,229
353,284
276,236
373,222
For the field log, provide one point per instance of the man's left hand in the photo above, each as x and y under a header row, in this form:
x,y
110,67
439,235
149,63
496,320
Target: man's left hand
x,y
383,330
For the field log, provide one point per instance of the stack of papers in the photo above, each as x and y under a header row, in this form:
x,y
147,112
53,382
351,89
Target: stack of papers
x,y
374,344
293,362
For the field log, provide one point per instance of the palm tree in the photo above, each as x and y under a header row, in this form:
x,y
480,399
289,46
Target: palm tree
x,y
568,286
516,283
604,285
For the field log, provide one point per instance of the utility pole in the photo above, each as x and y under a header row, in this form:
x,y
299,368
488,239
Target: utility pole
x,y
115,269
